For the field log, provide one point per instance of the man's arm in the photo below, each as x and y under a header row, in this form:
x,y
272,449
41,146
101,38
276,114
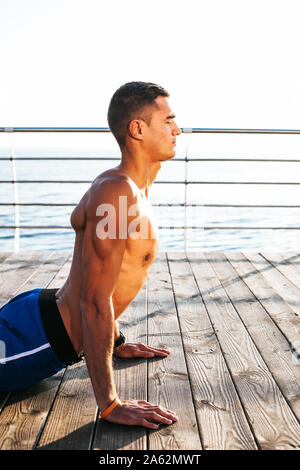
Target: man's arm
x,y
102,260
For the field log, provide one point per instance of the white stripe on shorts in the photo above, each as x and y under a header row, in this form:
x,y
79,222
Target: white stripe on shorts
x,y
26,353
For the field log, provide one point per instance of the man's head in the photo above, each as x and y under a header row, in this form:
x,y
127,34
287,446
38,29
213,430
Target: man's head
x,y
134,100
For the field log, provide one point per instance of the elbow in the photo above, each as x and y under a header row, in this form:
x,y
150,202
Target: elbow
x,y
86,307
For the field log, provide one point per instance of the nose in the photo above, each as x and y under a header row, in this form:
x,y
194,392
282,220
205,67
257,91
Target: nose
x,y
176,130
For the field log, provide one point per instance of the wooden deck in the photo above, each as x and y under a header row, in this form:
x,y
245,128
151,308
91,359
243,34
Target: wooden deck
x,y
232,324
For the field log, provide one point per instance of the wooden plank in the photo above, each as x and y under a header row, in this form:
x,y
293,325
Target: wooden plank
x,y
168,381
130,377
4,255
4,396
52,272
26,410
272,421
70,423
269,340
16,270
39,274
287,263
286,289
24,414
278,309
223,423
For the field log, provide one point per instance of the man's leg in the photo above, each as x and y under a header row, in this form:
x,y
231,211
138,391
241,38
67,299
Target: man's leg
x,y
26,356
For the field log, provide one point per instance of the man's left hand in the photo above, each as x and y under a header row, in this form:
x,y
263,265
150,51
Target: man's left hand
x,y
128,350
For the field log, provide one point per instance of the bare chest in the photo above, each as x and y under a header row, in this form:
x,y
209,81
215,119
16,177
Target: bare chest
x,y
142,224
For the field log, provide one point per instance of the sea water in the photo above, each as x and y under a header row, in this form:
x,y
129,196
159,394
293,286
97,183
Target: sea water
x,y
194,146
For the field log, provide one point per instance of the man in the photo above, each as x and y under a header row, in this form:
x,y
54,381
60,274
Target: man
x,y
115,245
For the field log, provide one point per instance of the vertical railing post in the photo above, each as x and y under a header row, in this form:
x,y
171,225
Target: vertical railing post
x,y
186,131
15,191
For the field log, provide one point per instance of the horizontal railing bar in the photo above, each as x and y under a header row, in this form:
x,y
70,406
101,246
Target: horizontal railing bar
x,y
192,227
185,130
239,131
156,182
44,204
270,206
61,158
40,227
62,204
54,129
186,182
230,228
264,160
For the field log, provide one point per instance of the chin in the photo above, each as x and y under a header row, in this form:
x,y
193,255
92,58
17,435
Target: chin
x,y
167,156
172,155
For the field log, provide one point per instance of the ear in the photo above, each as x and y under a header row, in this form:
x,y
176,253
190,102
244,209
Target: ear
x,y
136,128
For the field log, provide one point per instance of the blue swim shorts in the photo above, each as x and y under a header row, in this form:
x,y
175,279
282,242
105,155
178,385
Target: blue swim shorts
x,y
26,354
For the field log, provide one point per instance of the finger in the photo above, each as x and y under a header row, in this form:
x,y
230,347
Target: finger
x,y
143,402
160,350
143,353
150,406
150,348
151,352
147,424
147,352
160,353
153,416
163,412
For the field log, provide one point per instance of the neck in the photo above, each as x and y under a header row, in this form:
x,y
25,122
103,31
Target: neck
x,y
139,168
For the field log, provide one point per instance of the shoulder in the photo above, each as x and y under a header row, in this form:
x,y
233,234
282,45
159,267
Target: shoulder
x,y
109,190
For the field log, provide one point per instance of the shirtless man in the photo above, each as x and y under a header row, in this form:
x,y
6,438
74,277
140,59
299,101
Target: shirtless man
x,y
115,245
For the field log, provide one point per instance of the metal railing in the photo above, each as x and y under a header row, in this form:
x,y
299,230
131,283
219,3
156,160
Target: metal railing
x,y
16,204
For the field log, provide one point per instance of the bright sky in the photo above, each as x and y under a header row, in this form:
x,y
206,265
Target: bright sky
x,y
226,63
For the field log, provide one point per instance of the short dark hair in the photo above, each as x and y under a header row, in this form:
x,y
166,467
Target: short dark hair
x,y
128,103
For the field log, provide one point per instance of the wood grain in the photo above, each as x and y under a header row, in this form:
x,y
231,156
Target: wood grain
x,y
277,308
223,424
4,255
231,324
287,263
273,422
70,423
24,414
168,381
276,279
16,270
268,338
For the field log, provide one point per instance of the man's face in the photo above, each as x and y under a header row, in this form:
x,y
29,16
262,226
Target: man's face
x,y
160,136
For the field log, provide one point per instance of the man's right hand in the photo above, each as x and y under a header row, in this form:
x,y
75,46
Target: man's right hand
x,y
141,413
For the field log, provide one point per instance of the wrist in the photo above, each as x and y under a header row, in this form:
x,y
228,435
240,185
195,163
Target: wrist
x,y
103,404
108,409
119,342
